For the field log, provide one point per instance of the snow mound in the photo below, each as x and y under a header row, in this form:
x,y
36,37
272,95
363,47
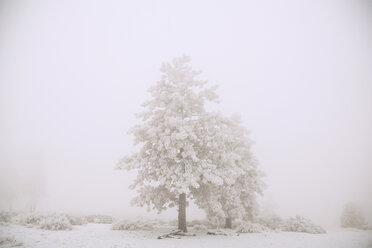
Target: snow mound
x,y
249,227
132,225
9,242
302,224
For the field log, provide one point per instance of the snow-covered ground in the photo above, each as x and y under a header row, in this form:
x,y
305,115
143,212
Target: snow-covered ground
x,y
101,235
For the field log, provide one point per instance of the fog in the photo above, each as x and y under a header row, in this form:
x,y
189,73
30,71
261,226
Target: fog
x,y
73,74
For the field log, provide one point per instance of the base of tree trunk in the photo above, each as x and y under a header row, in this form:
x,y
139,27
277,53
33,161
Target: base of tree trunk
x,y
175,234
228,223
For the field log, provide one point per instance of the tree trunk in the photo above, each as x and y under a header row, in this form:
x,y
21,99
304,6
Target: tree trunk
x,y
228,223
182,213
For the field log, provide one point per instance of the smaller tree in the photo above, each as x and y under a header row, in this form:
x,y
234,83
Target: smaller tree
x,y
352,216
242,182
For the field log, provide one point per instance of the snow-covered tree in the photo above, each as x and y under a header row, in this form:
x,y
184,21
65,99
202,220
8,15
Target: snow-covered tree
x,y
242,181
176,140
352,216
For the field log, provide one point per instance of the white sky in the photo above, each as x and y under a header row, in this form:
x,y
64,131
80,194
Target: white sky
x,y
74,73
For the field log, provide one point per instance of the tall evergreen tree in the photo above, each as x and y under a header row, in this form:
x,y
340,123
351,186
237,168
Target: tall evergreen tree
x,y
175,140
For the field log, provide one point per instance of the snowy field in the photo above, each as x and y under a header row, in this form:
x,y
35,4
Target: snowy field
x,y
101,235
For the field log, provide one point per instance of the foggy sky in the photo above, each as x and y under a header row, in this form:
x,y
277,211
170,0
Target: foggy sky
x,y
74,73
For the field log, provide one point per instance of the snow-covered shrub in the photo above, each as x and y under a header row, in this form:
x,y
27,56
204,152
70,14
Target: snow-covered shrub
x,y
5,217
29,219
44,221
99,219
77,220
352,216
199,227
302,224
249,227
273,222
132,225
55,222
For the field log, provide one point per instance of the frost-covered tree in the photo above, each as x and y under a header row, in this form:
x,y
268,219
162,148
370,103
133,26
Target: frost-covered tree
x,y
352,216
242,181
176,139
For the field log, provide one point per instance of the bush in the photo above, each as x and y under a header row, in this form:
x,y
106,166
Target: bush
x,y
29,219
132,225
44,221
249,227
77,220
272,222
353,217
55,222
204,222
5,217
197,222
99,219
200,227
301,224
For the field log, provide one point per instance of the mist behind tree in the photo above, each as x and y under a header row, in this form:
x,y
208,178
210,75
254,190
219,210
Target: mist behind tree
x,y
352,216
72,77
